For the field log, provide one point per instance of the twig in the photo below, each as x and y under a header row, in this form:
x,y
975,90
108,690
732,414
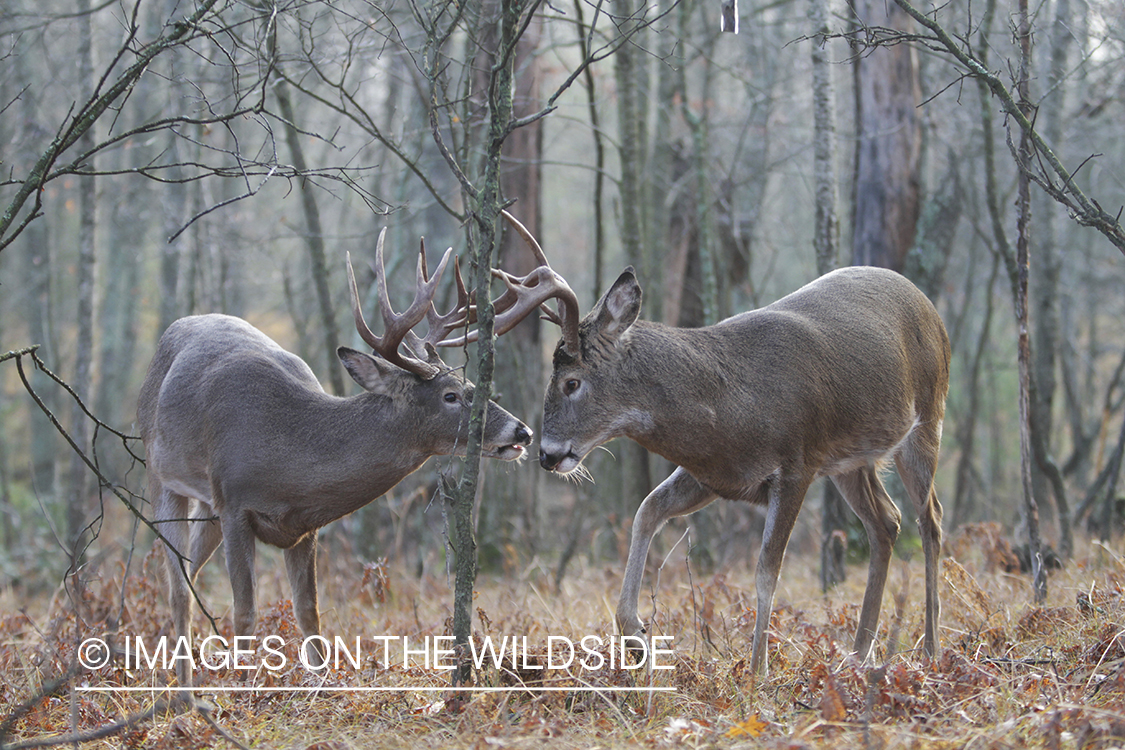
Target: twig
x,y
105,482
74,737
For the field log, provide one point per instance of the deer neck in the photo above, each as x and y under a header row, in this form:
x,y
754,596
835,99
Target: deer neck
x,y
360,446
674,388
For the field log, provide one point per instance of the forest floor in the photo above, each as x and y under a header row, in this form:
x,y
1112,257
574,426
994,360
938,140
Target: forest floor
x,y
1011,674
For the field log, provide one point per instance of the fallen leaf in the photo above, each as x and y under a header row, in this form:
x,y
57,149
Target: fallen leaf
x,y
752,727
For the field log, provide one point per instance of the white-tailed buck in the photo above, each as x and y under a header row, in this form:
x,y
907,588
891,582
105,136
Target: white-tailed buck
x,y
836,379
239,430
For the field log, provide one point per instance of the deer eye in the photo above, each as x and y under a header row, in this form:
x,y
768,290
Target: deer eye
x,y
451,398
570,386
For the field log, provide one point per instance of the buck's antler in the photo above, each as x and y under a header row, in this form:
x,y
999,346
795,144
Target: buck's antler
x,y
397,327
529,293
440,326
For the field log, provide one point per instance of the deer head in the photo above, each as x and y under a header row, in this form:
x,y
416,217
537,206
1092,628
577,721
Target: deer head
x,y
408,369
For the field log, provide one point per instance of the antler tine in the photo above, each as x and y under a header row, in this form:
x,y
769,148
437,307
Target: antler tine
x,y
357,312
567,316
522,231
397,327
422,270
524,296
528,294
461,314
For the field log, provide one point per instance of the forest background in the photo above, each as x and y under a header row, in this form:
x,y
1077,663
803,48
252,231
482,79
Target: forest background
x,y
167,158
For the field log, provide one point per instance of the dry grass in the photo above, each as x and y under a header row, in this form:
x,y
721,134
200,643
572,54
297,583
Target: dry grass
x,y
1011,675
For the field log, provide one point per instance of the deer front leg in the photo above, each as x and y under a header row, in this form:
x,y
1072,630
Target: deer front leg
x,y
171,512
785,498
238,541
300,564
678,495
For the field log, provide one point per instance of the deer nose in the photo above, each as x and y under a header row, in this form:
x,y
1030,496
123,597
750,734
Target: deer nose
x,y
547,461
523,435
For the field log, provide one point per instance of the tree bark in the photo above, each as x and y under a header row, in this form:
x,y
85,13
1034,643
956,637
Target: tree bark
x,y
1023,228
78,484
599,152
826,244
633,460
509,521
887,187
37,275
1045,289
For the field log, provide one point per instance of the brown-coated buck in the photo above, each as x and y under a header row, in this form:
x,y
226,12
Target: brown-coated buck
x,y
836,379
237,428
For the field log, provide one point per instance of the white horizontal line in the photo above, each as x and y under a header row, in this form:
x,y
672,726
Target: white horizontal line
x,y
389,689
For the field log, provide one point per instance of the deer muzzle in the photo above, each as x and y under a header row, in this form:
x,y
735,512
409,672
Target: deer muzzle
x,y
515,450
560,459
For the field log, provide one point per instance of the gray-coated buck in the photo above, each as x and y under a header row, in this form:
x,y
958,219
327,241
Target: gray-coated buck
x,y
237,428
836,379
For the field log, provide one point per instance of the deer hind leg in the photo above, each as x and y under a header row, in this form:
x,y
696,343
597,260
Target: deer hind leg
x,y
678,495
171,518
300,564
864,492
786,495
917,462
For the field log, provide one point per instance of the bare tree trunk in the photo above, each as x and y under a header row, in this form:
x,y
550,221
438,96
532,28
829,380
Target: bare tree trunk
x,y
826,232
78,509
698,123
9,518
1045,290
1023,203
599,153
514,505
826,243
173,205
966,431
633,460
887,191
887,184
314,241
579,514
485,203
36,275
629,122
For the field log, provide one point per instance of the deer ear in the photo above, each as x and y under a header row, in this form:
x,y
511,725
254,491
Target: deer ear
x,y
619,307
372,373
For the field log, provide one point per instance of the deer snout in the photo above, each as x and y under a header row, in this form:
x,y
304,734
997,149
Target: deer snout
x,y
558,455
548,461
563,462
519,436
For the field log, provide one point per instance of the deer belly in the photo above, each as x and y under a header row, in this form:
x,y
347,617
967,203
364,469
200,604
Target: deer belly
x,y
870,449
282,530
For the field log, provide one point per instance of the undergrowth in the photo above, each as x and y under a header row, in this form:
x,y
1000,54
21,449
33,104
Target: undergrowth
x,y
1011,674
